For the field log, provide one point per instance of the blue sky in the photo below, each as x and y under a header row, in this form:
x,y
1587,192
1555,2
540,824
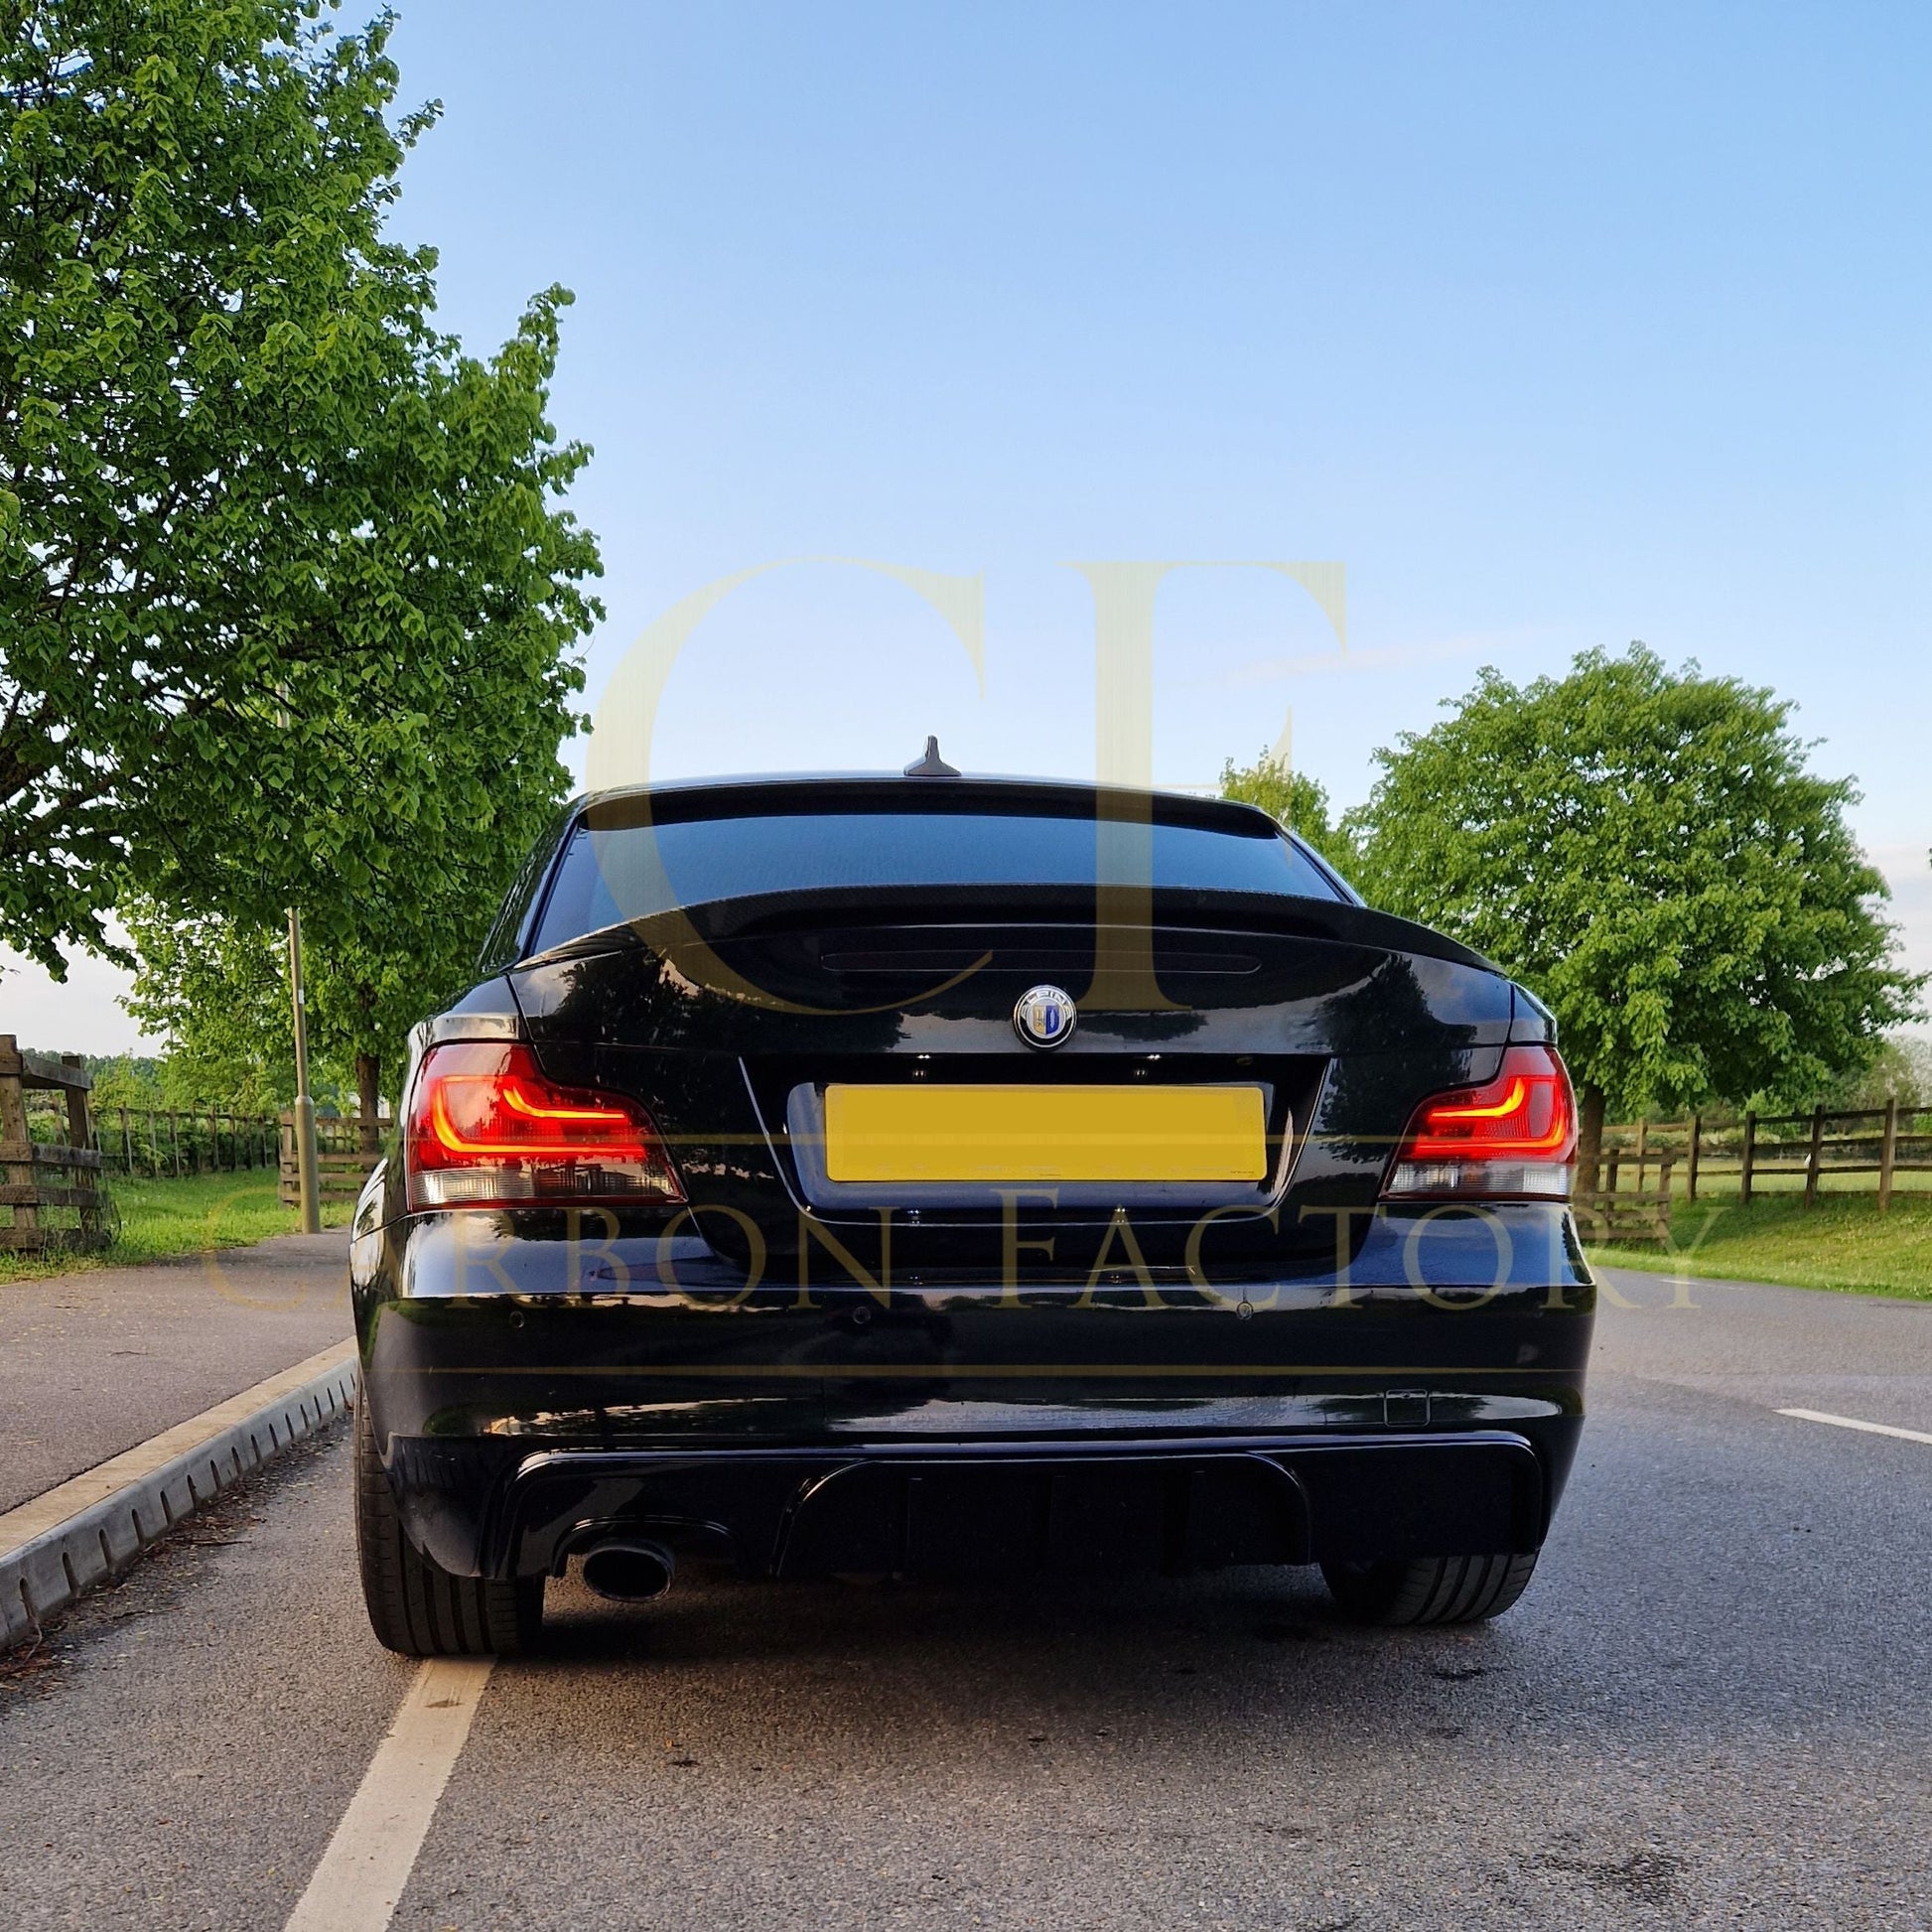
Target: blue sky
x,y
1557,327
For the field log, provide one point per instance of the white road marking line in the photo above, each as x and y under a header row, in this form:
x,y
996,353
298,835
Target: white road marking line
x,y
369,1861
1852,1422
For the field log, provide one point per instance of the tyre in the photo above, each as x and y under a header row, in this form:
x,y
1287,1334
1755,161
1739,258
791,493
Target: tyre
x,y
416,1607
1427,1590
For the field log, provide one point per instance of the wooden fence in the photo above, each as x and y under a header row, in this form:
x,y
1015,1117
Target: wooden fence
x,y
1630,1204
159,1142
1763,1153
57,1173
341,1165
1628,1219
153,1142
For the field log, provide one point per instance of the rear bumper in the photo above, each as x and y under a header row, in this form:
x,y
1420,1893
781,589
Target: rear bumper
x,y
978,1507
938,1425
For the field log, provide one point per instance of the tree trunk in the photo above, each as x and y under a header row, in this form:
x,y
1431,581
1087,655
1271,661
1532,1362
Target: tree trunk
x,y
1589,1137
367,1099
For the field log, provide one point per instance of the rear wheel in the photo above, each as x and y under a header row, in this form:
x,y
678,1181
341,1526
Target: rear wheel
x,y
1429,1590
416,1607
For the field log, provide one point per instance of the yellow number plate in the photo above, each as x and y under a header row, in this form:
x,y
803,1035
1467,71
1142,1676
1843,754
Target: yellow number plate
x,y
1044,1133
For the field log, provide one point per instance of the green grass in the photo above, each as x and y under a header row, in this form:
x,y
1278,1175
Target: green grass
x,y
1844,1243
189,1216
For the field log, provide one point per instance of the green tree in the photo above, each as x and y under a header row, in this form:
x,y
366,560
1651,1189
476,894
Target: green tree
x,y
1649,852
1297,801
1900,1071
218,990
282,581
380,961
219,999
130,1080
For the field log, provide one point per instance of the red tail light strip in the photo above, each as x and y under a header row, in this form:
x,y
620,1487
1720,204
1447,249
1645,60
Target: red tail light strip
x,y
488,1129
1514,1136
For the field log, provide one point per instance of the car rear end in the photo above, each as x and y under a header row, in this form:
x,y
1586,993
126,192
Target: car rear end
x,y
954,1175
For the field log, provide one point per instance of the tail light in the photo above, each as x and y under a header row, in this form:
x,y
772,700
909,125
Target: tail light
x,y
1515,1136
488,1129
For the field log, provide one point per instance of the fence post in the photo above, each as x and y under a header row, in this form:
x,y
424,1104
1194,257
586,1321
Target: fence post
x,y
174,1140
14,1125
1749,1159
1643,1149
127,1146
1816,1155
83,1130
1697,1145
1888,1153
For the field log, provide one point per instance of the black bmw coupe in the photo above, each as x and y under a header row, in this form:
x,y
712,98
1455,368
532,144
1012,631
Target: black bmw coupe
x,y
944,1174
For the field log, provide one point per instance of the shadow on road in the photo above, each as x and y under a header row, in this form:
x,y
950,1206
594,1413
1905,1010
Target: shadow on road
x,y
1093,1650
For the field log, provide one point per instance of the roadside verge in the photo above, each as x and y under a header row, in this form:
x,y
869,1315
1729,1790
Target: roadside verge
x,y
93,1526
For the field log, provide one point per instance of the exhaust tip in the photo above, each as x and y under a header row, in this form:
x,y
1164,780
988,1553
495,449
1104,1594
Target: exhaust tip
x,y
629,1572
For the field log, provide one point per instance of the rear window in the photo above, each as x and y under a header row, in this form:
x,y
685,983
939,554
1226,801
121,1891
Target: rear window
x,y
605,878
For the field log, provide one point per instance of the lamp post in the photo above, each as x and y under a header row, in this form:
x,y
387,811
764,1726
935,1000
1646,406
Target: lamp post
x,y
304,1106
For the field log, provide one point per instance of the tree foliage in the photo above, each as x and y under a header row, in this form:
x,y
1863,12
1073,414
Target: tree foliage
x,y
1296,801
216,988
1649,852
284,593
1900,1071
219,999
191,1083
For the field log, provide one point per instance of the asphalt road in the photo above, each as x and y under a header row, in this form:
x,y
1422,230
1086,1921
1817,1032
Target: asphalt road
x,y
1710,1708
92,1364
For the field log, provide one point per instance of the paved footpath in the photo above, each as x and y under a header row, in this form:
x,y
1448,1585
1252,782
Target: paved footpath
x,y
1709,1710
92,1364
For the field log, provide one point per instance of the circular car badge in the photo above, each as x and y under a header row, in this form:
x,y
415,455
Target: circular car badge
x,y
1046,1016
